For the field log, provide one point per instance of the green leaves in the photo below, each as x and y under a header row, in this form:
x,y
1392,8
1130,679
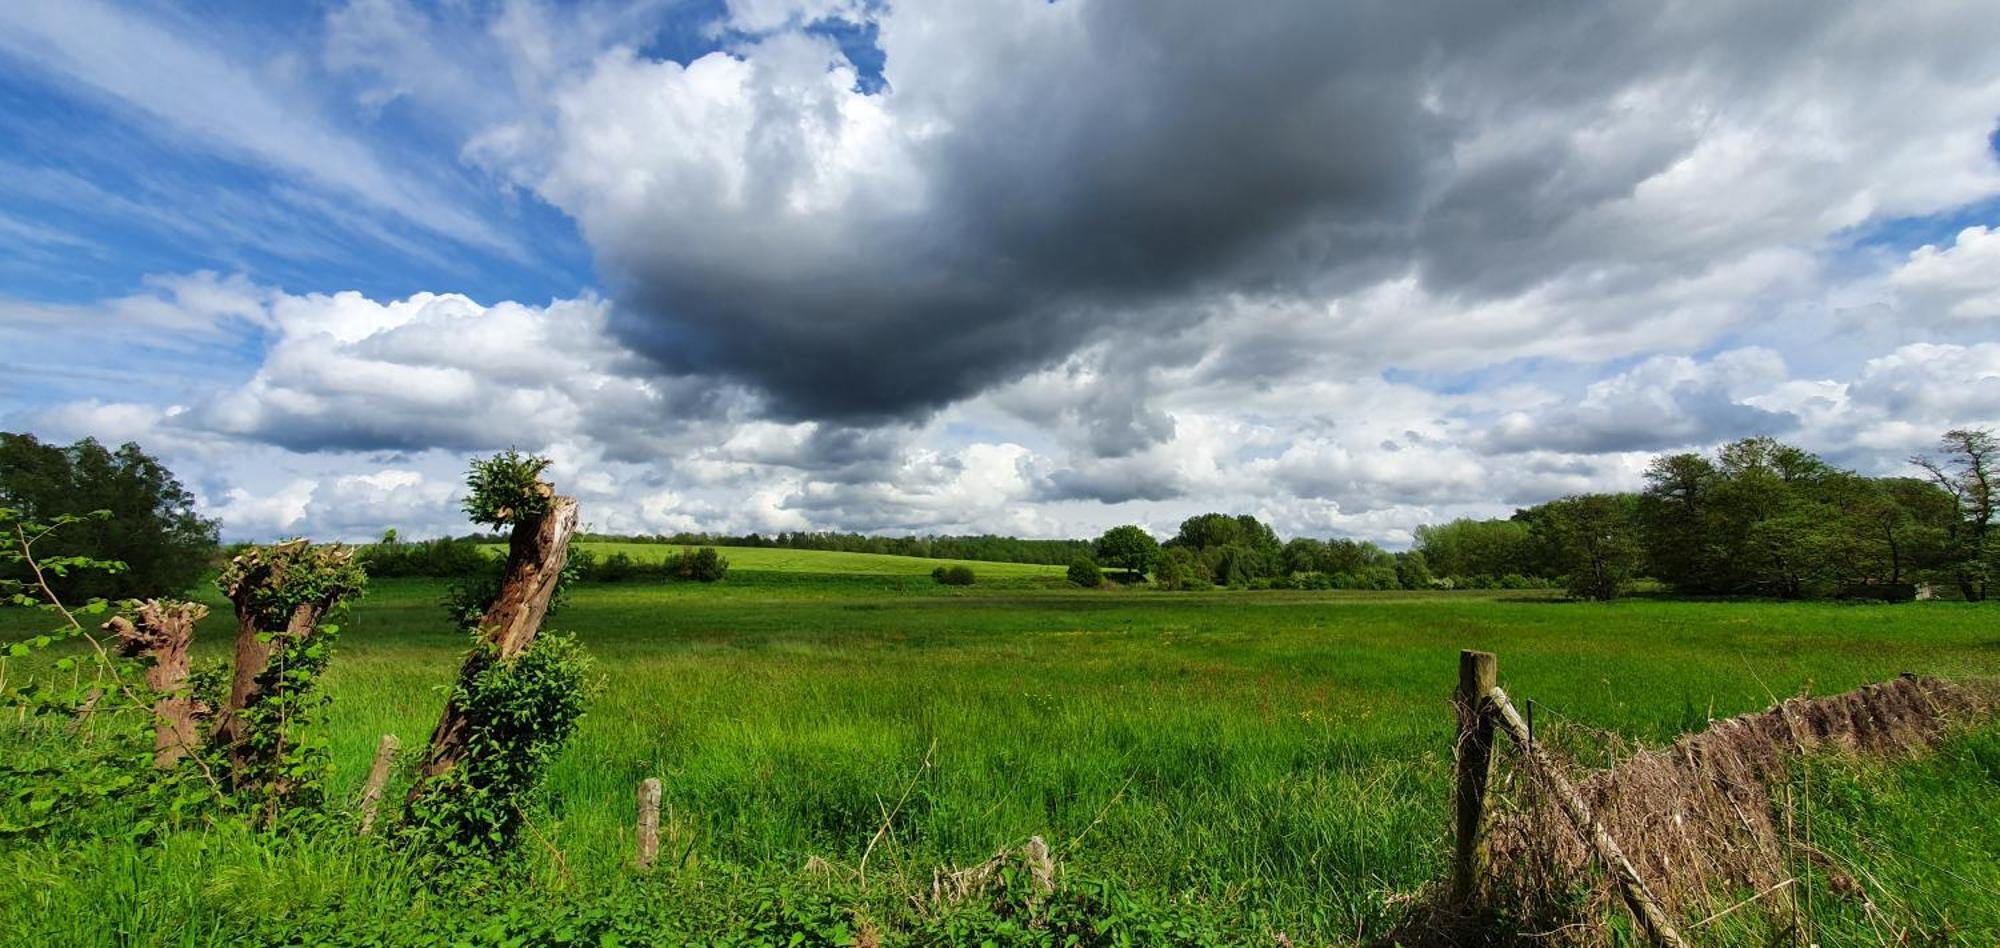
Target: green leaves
x,y
507,489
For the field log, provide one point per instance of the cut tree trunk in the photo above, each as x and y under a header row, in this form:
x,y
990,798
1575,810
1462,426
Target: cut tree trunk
x,y
163,630
536,553
258,638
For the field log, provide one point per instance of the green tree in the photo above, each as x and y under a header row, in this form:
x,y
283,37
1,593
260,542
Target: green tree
x,y
1967,467
1674,512
1085,573
152,526
1469,548
1129,548
1413,571
1596,540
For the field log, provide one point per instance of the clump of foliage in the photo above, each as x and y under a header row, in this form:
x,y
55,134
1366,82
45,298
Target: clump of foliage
x,y
521,713
955,575
148,527
507,489
1085,573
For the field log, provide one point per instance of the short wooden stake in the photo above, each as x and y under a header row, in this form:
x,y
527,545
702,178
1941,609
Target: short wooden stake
x,y
378,780
649,822
1478,673
1638,898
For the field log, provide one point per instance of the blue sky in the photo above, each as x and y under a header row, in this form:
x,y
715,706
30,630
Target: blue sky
x,y
987,266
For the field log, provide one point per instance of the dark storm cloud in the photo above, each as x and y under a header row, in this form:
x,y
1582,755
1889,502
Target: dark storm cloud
x,y
1162,152
1118,170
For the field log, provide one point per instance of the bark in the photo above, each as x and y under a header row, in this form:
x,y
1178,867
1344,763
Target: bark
x,y
536,553
163,631
255,645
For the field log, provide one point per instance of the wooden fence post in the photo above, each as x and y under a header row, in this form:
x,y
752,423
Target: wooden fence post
x,y
1478,674
378,780
649,822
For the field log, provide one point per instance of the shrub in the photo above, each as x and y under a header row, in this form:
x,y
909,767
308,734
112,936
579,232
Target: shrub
x,y
956,575
704,565
1085,573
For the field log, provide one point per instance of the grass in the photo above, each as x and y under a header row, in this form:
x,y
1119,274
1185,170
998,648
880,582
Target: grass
x,y
1278,760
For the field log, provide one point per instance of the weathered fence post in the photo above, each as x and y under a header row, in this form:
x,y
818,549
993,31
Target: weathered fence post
x,y
378,780
1478,674
649,822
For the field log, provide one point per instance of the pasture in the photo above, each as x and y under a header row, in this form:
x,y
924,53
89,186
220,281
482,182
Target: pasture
x,y
833,728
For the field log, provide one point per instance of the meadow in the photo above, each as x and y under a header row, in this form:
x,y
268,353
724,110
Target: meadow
x,y
831,729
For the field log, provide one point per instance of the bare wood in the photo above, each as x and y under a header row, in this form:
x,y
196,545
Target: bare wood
x,y
536,553
378,780
1478,674
649,822
163,632
1638,898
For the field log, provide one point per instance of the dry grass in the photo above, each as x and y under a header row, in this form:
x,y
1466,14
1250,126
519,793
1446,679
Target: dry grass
x,y
1707,820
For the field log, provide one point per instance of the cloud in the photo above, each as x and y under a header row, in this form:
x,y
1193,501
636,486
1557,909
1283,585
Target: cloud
x,y
1959,282
1662,403
1033,179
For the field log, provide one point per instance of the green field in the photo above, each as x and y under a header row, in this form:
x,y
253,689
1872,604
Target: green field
x,y
765,560
1257,761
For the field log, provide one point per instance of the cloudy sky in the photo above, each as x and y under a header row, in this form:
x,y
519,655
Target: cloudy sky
x,y
990,265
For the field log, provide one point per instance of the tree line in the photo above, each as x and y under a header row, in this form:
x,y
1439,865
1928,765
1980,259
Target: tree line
x,y
1756,518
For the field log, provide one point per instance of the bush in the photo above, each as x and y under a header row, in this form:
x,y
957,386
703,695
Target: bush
x,y
703,565
958,575
1085,573
445,558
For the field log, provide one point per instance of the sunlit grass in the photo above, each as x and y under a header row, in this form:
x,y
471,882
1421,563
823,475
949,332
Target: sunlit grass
x,y
1284,757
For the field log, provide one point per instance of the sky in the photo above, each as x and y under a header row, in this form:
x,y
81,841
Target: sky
x,y
1009,266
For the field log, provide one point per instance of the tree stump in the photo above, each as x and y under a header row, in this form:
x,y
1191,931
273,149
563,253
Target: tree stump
x,y
162,630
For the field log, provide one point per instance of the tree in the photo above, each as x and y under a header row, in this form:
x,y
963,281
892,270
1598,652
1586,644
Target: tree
x,y
1965,468
1177,568
152,528
1085,573
1467,548
1673,517
1129,548
1412,570
1595,540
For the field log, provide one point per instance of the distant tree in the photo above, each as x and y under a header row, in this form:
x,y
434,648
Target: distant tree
x,y
1967,467
1468,548
1178,568
1413,571
153,528
1596,540
1674,516
1231,549
1129,548
1085,573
